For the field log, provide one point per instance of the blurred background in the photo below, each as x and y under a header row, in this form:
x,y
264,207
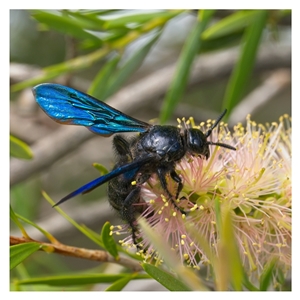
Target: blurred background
x,y
157,66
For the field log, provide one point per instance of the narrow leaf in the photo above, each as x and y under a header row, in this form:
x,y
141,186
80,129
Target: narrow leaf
x,y
131,65
267,275
164,278
100,83
63,23
65,280
81,279
244,66
77,63
138,18
48,235
118,285
233,260
15,219
108,241
82,229
229,25
19,253
179,82
19,149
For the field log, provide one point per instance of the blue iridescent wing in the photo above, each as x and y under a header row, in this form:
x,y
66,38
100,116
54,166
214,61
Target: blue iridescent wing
x,y
69,106
129,168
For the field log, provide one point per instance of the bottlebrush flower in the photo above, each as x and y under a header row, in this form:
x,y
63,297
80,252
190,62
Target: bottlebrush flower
x,y
254,182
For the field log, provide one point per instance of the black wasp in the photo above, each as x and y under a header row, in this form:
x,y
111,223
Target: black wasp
x,y
156,150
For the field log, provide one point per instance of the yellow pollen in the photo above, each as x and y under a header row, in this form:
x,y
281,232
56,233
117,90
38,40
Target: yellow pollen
x,y
110,233
166,204
194,207
213,222
112,227
183,216
182,242
152,201
192,244
186,256
174,214
166,219
119,227
133,183
117,233
201,207
178,120
183,236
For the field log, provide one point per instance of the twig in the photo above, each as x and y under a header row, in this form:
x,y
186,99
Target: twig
x,y
95,255
271,86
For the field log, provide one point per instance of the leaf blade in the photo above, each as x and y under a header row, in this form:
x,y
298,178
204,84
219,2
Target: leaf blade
x,y
18,253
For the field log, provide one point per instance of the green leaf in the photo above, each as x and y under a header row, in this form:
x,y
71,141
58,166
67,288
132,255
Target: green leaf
x,y
88,21
15,219
82,229
233,260
244,66
19,149
19,253
108,241
65,280
130,66
100,83
81,279
248,284
118,285
164,278
229,25
63,23
266,277
78,63
48,235
138,18
188,53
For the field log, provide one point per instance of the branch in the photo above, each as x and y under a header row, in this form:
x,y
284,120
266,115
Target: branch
x,y
271,86
133,97
95,255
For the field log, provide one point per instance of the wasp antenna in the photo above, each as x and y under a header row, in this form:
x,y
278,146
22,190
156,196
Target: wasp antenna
x,y
209,131
222,145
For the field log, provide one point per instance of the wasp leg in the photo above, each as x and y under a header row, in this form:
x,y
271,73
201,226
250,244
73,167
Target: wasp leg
x,y
177,179
161,172
129,210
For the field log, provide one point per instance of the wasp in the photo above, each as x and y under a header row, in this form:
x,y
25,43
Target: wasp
x,y
156,150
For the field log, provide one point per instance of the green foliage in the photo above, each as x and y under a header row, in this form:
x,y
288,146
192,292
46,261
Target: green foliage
x,y
19,149
165,278
108,241
19,253
244,66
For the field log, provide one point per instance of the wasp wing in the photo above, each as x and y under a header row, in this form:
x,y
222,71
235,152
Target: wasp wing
x,y
130,168
69,106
